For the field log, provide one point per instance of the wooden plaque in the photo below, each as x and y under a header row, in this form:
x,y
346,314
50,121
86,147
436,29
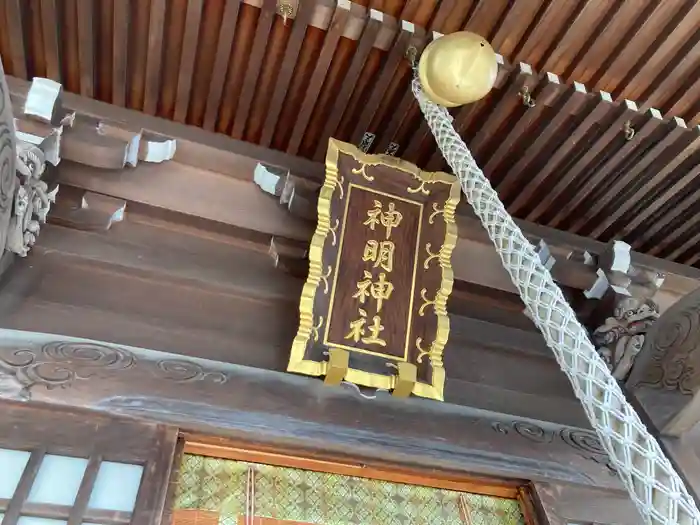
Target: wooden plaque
x,y
379,271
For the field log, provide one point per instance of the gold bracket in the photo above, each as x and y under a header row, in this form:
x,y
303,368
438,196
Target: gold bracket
x,y
405,379
337,366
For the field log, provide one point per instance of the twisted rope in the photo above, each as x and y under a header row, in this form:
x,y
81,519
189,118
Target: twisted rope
x,y
653,484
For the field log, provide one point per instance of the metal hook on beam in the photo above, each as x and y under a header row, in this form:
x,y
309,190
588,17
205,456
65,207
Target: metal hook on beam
x,y
526,97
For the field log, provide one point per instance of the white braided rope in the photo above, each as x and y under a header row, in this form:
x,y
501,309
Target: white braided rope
x,y
653,484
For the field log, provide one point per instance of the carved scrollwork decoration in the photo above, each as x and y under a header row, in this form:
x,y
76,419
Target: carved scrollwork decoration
x,y
524,429
426,302
59,364
362,171
431,256
671,349
584,442
420,188
324,279
185,371
333,230
341,191
588,446
315,329
421,352
436,211
7,148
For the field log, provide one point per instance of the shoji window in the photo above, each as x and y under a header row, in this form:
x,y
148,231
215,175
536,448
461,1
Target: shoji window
x,y
68,468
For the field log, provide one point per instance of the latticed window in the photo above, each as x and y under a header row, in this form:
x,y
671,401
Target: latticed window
x,y
227,492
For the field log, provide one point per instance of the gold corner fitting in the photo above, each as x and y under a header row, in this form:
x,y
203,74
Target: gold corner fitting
x,y
405,379
338,362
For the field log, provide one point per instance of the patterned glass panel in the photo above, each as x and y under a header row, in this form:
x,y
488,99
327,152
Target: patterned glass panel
x,y
116,487
224,486
58,480
27,520
12,463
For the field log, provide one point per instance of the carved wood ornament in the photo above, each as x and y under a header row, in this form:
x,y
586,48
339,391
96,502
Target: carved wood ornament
x,y
621,338
671,352
39,134
200,394
379,275
7,159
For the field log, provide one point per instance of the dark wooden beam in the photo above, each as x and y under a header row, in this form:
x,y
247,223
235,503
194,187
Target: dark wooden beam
x,y
654,72
391,65
613,130
521,78
17,44
445,9
50,38
189,52
221,61
548,91
284,77
341,15
486,18
571,103
364,46
255,62
593,115
659,177
279,409
224,169
154,56
86,47
137,285
120,43
675,136
643,127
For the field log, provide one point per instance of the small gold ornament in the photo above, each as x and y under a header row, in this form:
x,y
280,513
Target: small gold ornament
x,y
457,69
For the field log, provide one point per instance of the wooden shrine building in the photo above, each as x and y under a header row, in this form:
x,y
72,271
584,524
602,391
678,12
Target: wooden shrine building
x,y
232,255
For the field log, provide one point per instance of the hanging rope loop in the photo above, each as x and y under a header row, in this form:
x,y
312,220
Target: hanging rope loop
x,y
653,484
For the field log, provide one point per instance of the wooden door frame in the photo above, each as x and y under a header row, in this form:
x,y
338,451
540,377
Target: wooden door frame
x,y
520,490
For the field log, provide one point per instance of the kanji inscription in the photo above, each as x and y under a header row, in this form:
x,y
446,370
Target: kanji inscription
x,y
379,271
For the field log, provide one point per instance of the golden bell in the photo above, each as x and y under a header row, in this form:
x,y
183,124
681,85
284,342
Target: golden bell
x,y
457,69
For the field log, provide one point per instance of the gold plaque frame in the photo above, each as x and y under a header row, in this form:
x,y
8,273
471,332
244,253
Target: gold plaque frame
x,y
297,362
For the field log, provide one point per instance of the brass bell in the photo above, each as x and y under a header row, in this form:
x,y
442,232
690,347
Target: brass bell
x,y
457,69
